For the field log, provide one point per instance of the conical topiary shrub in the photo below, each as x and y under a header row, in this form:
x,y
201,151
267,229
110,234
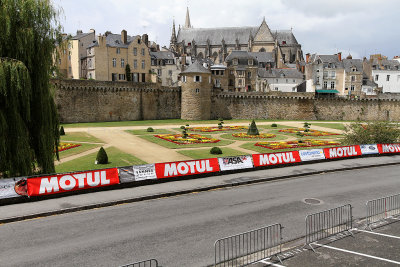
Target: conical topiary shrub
x,y
62,132
102,157
253,129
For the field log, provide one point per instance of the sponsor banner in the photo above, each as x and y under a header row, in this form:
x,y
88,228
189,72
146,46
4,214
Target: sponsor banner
x,y
183,168
66,182
235,163
312,154
137,173
13,187
276,158
342,152
369,149
388,148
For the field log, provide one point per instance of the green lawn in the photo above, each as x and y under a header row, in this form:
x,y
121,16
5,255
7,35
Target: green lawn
x,y
145,132
168,144
116,157
205,153
77,150
279,126
259,149
79,137
338,126
278,137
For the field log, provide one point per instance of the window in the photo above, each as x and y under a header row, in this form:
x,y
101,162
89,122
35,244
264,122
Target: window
x,y
209,79
276,88
353,69
197,78
240,82
230,82
184,79
235,61
142,51
159,72
250,62
90,76
135,51
325,74
276,80
121,76
114,62
325,84
143,64
197,90
287,81
293,89
332,85
122,63
249,75
387,78
135,64
118,50
333,74
64,51
294,81
170,73
239,72
398,78
376,77
138,41
231,72
90,63
352,87
59,61
353,78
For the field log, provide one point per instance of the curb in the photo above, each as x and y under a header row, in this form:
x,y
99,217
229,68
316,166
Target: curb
x,y
182,192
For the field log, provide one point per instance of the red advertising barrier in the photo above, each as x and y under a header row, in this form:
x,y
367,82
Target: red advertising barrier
x,y
388,148
59,183
276,158
342,152
183,168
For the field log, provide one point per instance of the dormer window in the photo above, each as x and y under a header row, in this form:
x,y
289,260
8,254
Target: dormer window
x,y
235,61
250,62
283,42
353,69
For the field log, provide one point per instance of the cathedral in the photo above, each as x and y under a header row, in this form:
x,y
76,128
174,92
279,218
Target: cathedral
x,y
218,43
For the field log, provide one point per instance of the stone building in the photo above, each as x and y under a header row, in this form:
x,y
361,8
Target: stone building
x,y
386,73
165,65
283,80
108,56
218,43
196,92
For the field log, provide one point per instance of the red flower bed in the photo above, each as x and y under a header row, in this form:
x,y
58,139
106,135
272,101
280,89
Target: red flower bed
x,y
295,144
191,139
259,136
217,129
309,133
66,146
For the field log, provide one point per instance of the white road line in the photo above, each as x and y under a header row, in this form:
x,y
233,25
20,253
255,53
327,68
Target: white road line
x,y
357,253
375,233
270,263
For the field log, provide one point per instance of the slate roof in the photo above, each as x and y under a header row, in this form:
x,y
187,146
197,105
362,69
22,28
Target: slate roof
x,y
368,82
229,34
279,73
263,56
162,55
348,64
386,64
81,35
240,55
114,40
196,67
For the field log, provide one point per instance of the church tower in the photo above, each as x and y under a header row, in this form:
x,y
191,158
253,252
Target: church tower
x,y
173,42
187,21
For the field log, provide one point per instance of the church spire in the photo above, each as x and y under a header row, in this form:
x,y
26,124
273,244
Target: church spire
x,y
173,36
187,22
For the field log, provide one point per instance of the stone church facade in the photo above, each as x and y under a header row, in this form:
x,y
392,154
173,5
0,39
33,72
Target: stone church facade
x,y
218,43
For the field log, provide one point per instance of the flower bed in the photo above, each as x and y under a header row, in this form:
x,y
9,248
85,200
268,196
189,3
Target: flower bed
x,y
216,129
309,133
259,136
295,144
191,139
66,146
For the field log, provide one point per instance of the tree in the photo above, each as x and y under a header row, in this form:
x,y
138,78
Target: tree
x,y
371,133
29,126
102,157
253,129
128,72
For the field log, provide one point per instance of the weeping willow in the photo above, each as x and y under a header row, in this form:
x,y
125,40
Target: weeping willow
x,y
29,31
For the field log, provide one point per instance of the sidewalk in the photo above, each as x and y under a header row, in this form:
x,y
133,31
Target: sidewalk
x,y
72,203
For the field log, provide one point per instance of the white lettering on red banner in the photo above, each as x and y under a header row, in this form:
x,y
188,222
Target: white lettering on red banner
x,y
389,148
342,152
70,182
183,168
276,158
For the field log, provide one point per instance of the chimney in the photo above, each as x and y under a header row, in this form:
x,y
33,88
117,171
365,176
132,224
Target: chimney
x,y
307,57
78,32
102,40
339,56
124,37
145,39
92,30
158,47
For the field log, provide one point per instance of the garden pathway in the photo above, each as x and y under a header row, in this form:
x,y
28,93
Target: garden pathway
x,y
72,157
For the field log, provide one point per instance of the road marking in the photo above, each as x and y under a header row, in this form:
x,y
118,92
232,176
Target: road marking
x,y
374,233
270,263
358,253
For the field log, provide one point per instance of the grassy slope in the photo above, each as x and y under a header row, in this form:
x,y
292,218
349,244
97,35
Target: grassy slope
x,y
168,144
145,132
79,137
205,153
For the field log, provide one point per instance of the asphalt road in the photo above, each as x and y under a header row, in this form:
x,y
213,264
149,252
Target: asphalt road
x,y
181,231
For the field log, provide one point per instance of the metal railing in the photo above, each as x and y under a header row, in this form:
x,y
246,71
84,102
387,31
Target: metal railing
x,y
327,223
249,247
382,208
146,263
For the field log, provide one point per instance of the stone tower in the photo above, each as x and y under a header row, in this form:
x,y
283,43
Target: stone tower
x,y
196,93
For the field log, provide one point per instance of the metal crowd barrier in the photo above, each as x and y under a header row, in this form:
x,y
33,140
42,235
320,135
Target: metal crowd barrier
x,y
146,263
327,223
382,208
249,247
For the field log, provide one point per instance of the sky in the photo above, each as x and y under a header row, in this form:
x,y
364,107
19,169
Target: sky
x,y
356,27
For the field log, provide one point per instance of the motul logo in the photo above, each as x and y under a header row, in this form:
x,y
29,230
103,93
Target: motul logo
x,y
279,158
189,167
338,152
391,148
73,181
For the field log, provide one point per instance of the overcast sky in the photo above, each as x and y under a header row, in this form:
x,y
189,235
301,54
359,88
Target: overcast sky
x,y
359,27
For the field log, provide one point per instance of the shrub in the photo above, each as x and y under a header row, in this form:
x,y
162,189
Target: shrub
x,y
215,151
150,130
253,129
62,132
371,133
307,127
102,157
274,125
